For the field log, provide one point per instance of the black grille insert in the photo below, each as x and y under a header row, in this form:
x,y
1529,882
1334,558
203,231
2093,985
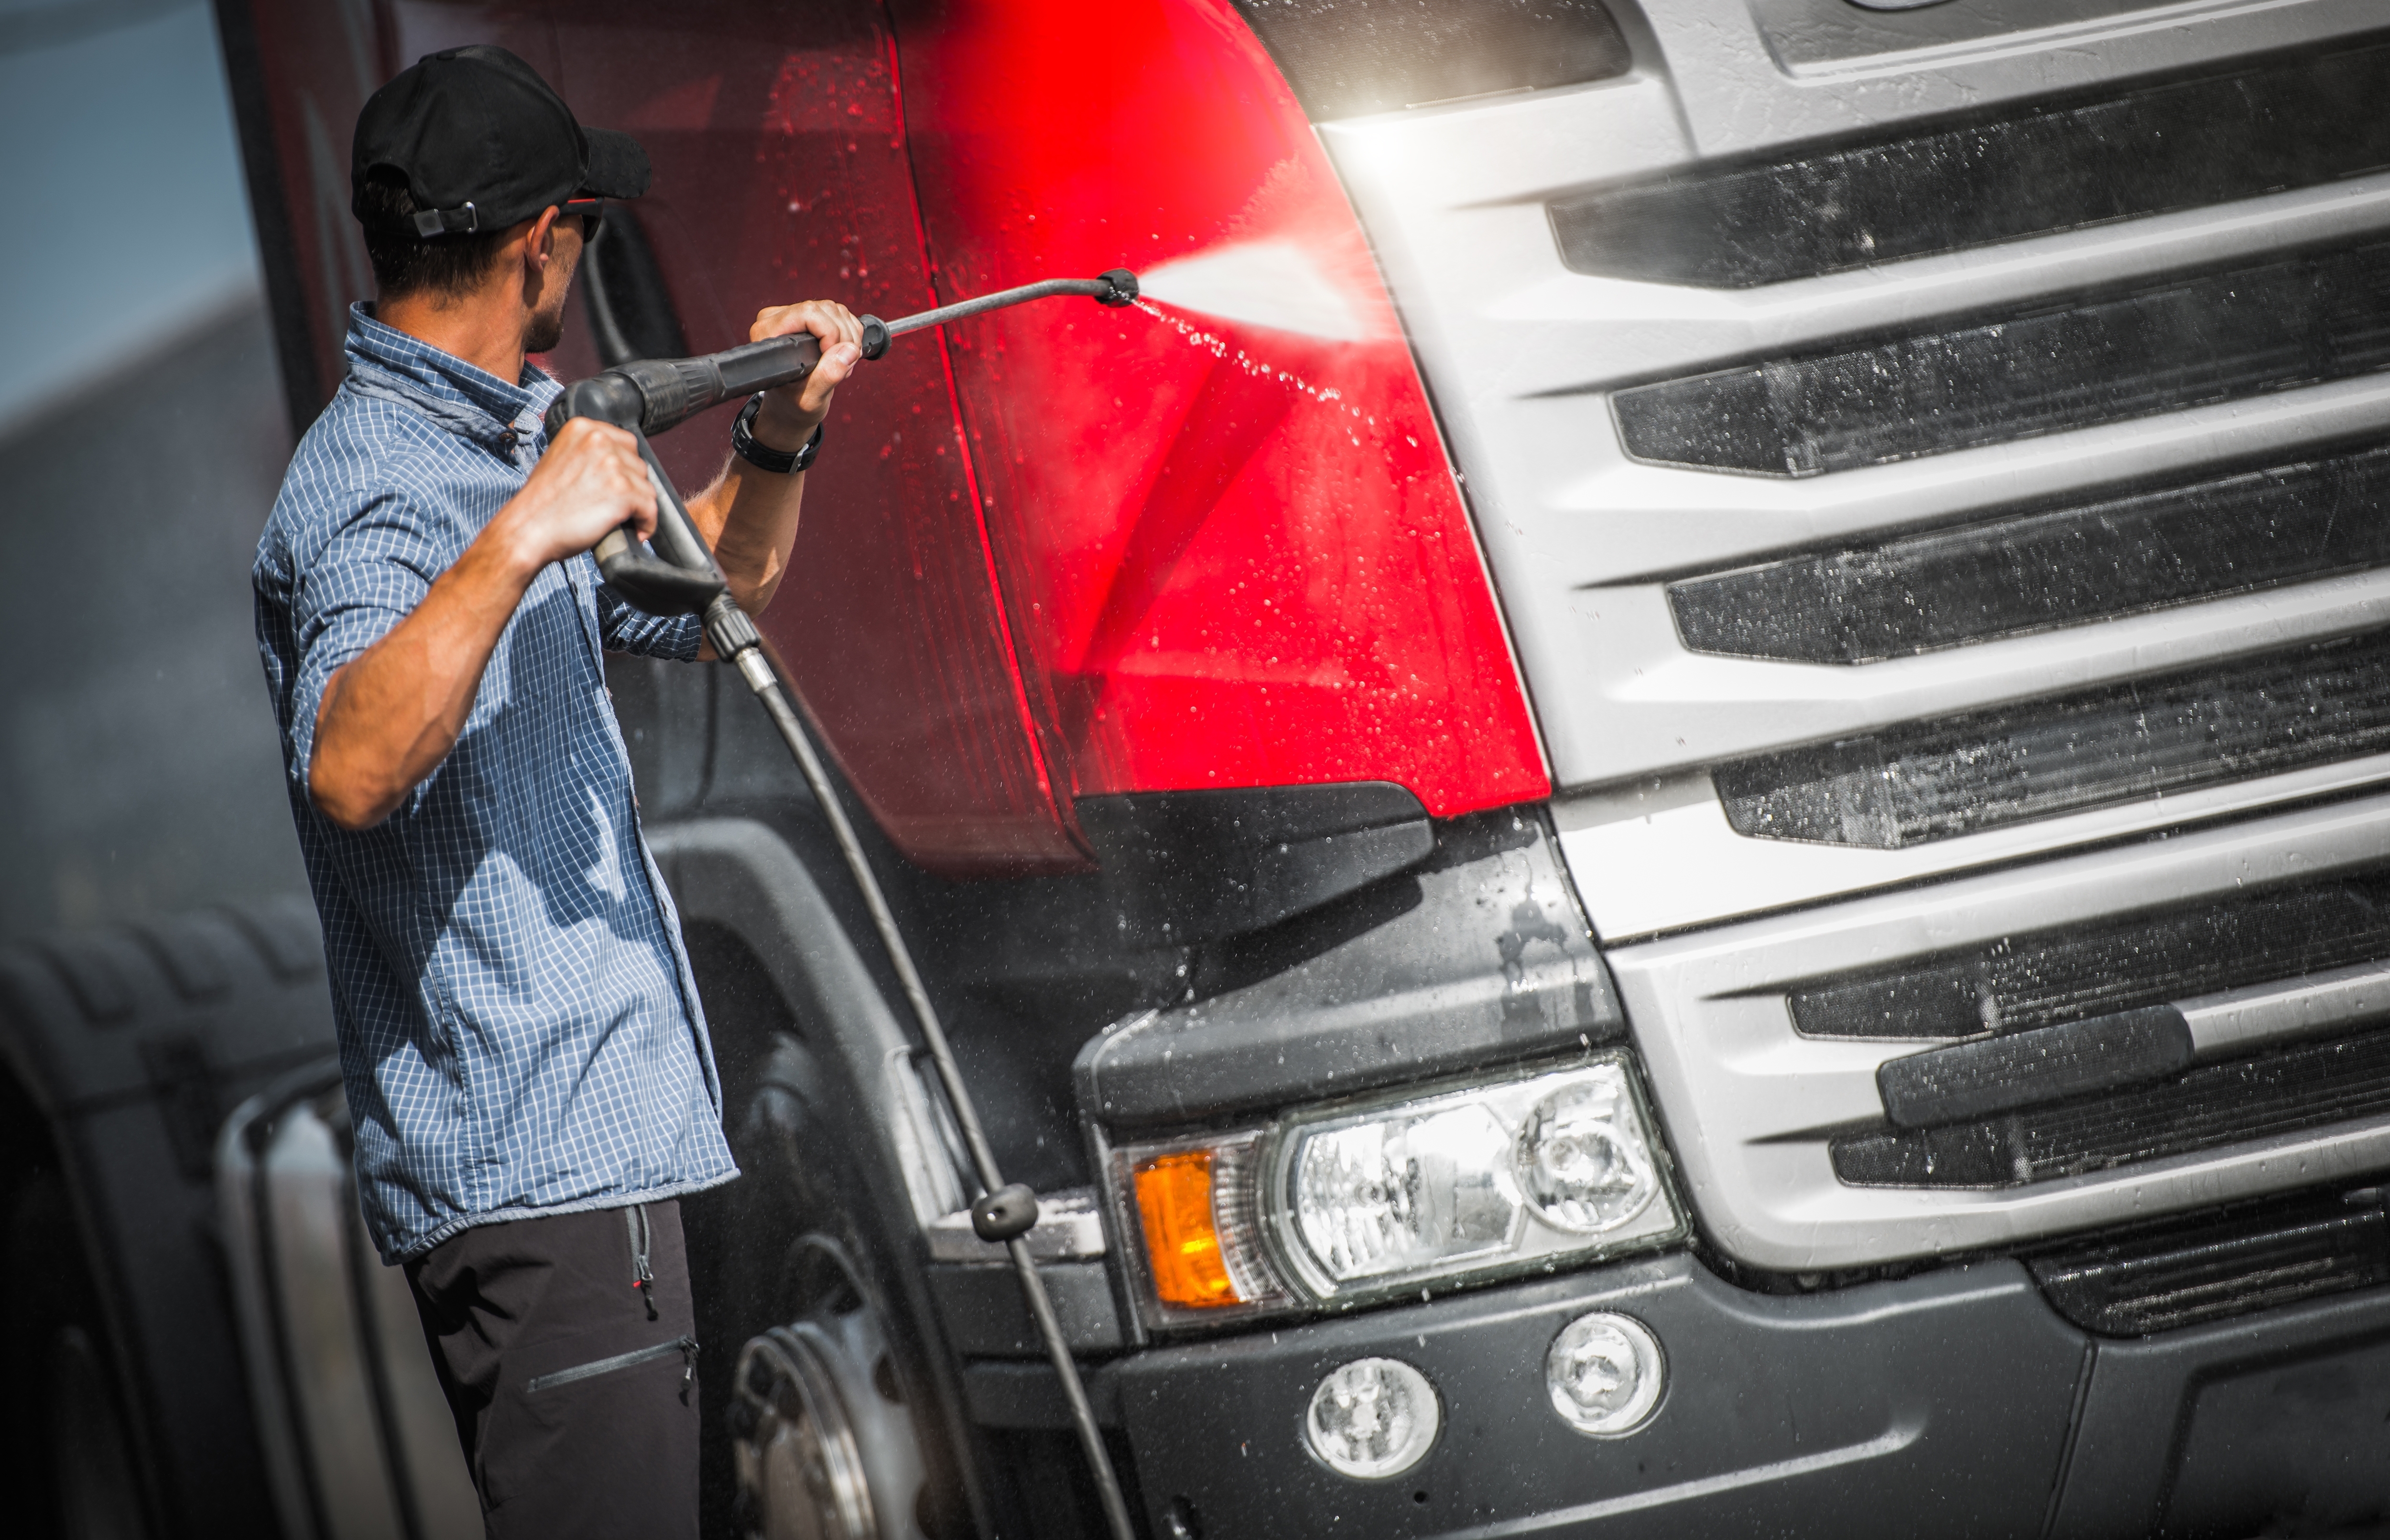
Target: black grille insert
x,y
2023,982
2185,144
2034,571
2216,1268
2147,738
2292,1090
1344,58
2028,1069
2217,336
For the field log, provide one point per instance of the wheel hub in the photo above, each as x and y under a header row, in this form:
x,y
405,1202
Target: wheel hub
x,y
824,1446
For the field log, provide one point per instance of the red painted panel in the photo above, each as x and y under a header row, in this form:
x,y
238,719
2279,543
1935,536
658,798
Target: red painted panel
x,y
1233,555
780,174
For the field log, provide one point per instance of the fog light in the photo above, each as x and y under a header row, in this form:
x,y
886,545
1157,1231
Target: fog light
x,y
1604,1373
1373,1419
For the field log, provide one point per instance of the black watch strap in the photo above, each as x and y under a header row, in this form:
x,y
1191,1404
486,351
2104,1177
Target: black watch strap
x,y
762,456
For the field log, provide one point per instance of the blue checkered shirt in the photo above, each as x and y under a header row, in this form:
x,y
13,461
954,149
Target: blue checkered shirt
x,y
518,1031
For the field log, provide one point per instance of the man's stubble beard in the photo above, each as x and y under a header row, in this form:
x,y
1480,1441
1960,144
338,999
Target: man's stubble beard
x,y
546,325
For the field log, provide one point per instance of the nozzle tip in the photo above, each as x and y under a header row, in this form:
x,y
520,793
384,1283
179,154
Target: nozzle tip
x,y
1124,287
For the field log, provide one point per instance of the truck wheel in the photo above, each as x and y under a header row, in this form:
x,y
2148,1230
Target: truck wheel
x,y
824,1443
823,1419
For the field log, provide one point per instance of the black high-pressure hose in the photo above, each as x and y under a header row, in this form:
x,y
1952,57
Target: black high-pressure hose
x,y
682,579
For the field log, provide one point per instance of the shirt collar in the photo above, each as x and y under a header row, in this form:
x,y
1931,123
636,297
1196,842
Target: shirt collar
x,y
468,400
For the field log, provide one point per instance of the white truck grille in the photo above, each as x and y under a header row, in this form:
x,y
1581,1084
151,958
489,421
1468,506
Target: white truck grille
x,y
1636,418
1938,445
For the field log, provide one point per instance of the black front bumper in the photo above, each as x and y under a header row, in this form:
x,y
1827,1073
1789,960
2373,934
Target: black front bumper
x,y
1954,1402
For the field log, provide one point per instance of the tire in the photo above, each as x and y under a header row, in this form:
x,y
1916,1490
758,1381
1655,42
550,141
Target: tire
x,y
90,1450
122,1048
66,1449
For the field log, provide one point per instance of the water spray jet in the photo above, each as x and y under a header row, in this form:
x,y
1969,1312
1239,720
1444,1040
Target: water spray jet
x,y
1275,284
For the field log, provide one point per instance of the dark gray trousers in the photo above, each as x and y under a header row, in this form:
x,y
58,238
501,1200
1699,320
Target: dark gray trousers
x,y
571,1377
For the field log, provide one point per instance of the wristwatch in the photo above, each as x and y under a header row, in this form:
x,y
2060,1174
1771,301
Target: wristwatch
x,y
762,456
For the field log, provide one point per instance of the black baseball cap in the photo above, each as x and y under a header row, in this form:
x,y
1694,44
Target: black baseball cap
x,y
483,142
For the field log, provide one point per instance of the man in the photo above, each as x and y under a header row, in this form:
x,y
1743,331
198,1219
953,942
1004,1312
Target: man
x,y
527,1068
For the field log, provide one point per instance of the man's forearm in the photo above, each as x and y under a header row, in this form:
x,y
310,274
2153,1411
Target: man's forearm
x,y
749,515
391,714
754,524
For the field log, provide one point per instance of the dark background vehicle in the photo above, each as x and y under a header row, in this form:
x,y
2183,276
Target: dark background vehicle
x,y
1924,463
142,431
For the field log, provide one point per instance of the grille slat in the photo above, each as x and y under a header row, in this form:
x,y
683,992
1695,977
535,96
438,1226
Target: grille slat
x,y
1345,57
2214,1269
2219,337
2030,982
2036,571
2025,1068
2185,144
2147,738
2290,1091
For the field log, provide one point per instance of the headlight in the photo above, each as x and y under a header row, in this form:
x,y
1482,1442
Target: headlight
x,y
1492,1176
1346,1202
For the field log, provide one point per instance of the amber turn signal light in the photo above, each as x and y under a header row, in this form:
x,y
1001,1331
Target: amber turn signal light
x,y
1182,1238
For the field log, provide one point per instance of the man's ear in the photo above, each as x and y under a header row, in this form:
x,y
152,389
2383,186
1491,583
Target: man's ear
x,y
539,249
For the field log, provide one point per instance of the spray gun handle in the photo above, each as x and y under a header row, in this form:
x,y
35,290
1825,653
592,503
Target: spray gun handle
x,y
648,396
686,580
652,395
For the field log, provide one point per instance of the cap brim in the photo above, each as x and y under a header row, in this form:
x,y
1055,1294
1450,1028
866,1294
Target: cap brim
x,y
618,167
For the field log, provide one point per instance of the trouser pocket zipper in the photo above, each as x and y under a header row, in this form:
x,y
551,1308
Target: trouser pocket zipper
x,y
642,1276
685,1346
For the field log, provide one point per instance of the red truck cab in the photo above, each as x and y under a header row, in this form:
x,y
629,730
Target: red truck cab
x,y
1659,809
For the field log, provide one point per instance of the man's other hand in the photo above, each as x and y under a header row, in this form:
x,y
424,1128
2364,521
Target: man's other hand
x,y
590,481
790,413
391,714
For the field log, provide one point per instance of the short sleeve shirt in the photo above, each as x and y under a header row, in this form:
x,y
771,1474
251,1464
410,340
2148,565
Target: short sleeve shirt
x,y
518,1031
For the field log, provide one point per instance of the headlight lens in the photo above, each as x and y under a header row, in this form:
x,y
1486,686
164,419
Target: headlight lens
x,y
1348,1203
1391,1194
1489,1176
1582,1159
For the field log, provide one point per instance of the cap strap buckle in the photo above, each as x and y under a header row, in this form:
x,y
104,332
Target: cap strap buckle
x,y
447,222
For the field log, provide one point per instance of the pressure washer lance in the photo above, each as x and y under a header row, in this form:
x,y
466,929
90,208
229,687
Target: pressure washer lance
x,y
653,394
